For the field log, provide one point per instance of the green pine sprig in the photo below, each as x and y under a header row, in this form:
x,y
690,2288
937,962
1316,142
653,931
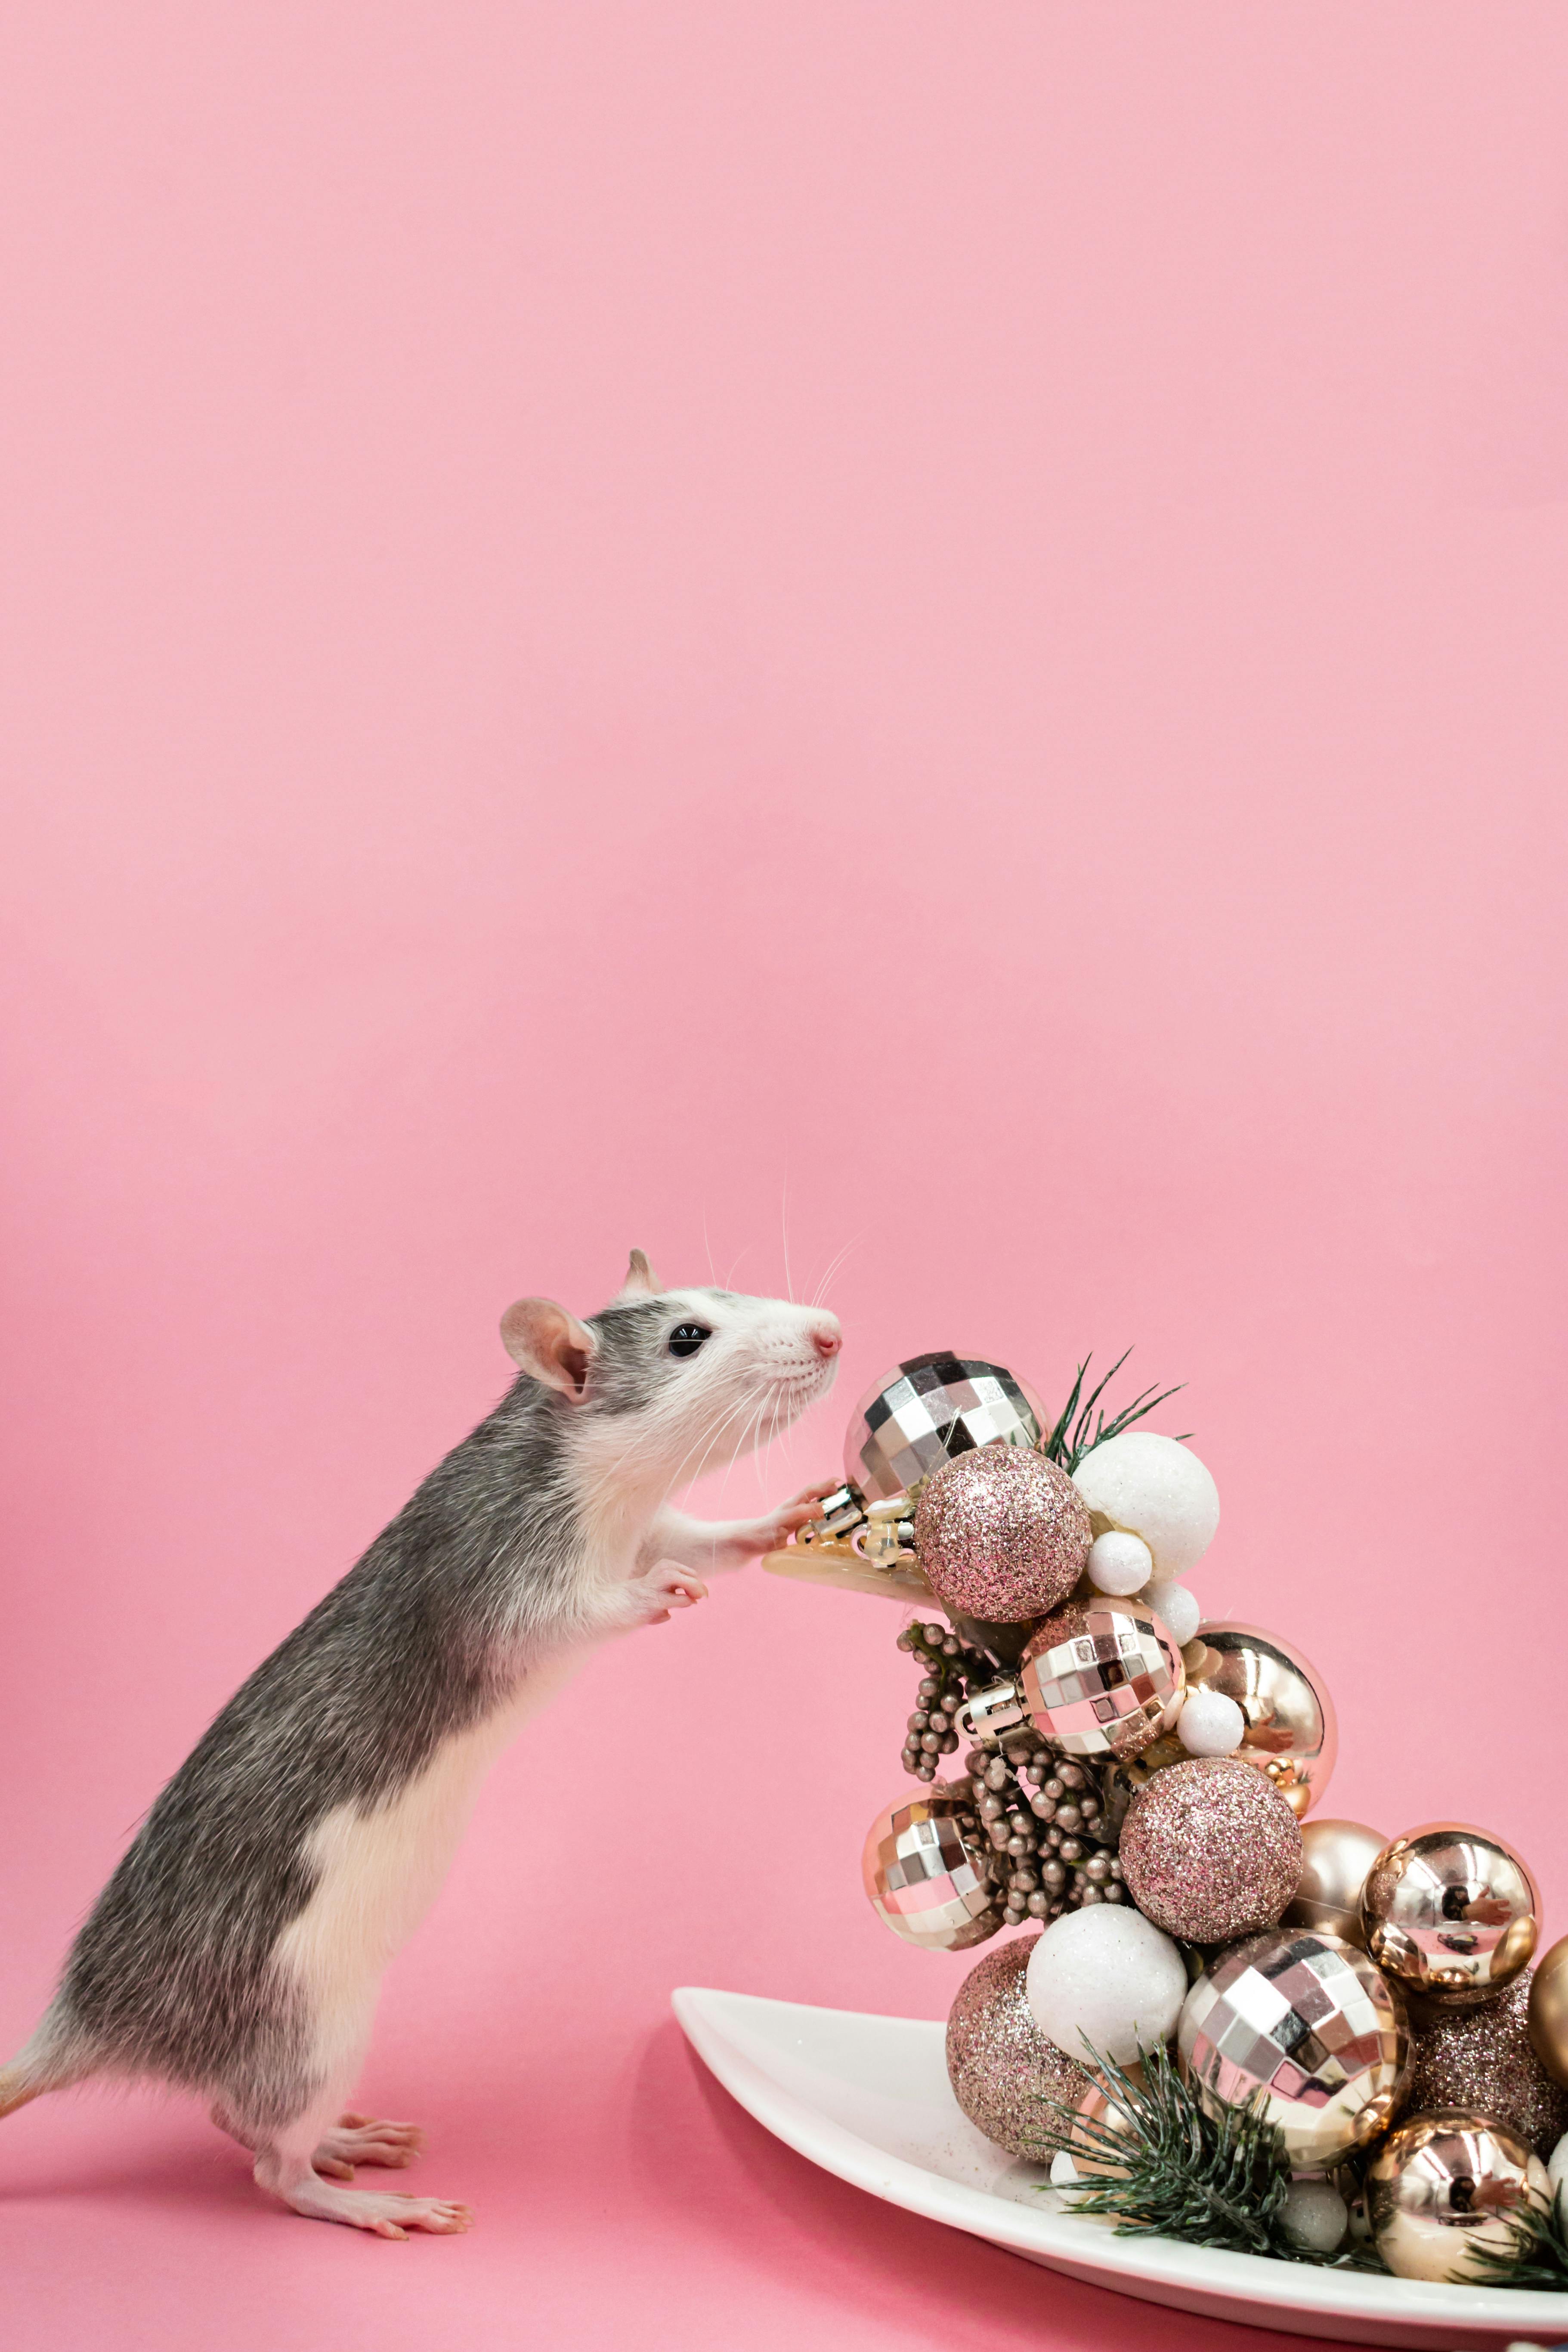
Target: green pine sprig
x,y
1206,2177
1082,1424
1536,2255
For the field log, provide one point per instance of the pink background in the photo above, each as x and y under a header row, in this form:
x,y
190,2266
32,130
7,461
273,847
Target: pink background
x,y
941,628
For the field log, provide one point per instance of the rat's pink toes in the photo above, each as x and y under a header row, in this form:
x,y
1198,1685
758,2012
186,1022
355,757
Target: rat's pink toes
x,y
426,2213
674,1587
650,1597
382,2215
799,1511
789,1522
360,2139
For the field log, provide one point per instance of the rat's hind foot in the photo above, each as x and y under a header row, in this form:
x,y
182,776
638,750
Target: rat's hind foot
x,y
373,2210
305,2191
359,2139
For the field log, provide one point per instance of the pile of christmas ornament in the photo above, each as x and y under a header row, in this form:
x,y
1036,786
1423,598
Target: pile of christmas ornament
x,y
1138,1789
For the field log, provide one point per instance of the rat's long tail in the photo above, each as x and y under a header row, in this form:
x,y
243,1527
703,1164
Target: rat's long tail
x,y
49,2062
16,2087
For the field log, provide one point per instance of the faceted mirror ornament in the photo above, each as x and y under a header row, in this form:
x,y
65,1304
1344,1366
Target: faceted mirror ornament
x,y
930,1410
1102,1677
927,1871
1310,2024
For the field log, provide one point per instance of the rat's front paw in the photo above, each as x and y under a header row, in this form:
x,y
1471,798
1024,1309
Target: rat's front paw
x,y
736,1545
663,1589
799,1512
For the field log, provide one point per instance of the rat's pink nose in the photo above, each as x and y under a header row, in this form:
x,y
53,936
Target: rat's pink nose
x,y
827,1341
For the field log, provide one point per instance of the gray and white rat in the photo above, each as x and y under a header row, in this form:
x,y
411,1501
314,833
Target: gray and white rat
x,y
237,1950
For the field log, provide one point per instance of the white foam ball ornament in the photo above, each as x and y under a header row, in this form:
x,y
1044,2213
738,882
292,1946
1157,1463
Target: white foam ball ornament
x,y
1145,1485
1315,2215
1177,1610
1557,2173
1210,1724
1109,1978
1120,1563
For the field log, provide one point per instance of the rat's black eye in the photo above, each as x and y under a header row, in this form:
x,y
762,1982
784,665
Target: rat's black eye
x,y
687,1338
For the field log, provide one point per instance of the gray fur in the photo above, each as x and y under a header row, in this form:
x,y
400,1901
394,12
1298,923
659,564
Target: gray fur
x,y
173,1973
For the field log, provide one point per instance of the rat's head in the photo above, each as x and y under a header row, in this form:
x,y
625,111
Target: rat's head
x,y
678,1381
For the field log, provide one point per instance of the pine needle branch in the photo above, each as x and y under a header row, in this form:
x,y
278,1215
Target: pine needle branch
x,y
1082,1424
1536,2255
1180,2172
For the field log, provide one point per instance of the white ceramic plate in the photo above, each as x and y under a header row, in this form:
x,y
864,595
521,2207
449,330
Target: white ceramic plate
x,y
868,2098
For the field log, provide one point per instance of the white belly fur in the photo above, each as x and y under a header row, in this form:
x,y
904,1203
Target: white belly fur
x,y
380,1869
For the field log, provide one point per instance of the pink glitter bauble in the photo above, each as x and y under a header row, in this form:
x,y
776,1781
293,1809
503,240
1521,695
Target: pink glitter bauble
x,y
1211,1851
1002,1533
1003,2072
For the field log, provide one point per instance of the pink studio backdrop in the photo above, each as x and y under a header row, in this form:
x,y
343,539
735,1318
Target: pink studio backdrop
x,y
938,629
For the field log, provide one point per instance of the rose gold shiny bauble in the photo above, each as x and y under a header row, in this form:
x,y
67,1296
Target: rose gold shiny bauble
x,y
1335,1859
1444,2184
1549,2011
926,1872
1102,1678
1292,1734
1450,1911
1096,2105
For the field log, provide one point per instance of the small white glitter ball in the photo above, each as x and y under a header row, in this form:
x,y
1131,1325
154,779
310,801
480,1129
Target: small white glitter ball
x,y
1157,1488
1557,2173
1315,2215
1177,1610
1210,1724
1120,1563
1107,1976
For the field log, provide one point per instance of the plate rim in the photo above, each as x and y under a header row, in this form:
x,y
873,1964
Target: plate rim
x,y
702,2011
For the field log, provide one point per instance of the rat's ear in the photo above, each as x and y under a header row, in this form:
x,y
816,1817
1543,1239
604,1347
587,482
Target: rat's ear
x,y
641,1281
549,1344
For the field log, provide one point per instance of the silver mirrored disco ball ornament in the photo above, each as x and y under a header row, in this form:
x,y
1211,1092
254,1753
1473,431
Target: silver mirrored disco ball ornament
x,y
927,1870
928,1411
1308,2022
